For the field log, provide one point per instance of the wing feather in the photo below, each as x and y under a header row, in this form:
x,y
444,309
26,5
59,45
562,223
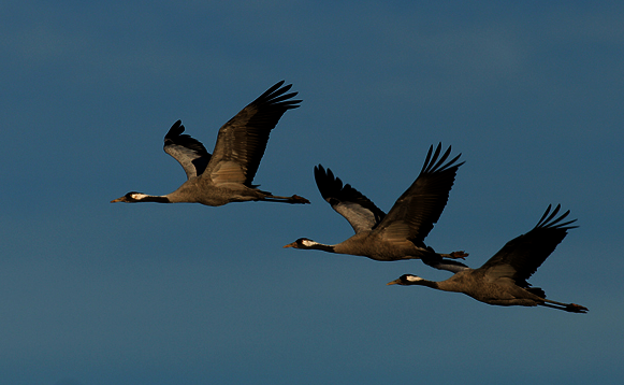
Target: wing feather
x,y
189,152
416,211
521,256
242,140
357,209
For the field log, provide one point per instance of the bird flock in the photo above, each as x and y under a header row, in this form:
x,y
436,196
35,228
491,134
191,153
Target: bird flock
x,y
227,174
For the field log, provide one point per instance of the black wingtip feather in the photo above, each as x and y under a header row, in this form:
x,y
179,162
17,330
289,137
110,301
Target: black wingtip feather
x,y
433,164
175,136
334,191
277,96
326,182
549,221
176,129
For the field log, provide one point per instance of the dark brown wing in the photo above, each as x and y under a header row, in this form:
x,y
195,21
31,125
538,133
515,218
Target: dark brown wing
x,y
356,208
419,208
242,140
189,152
521,256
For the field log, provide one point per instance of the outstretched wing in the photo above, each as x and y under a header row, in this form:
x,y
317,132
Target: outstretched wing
x,y
521,256
189,152
416,211
242,140
361,213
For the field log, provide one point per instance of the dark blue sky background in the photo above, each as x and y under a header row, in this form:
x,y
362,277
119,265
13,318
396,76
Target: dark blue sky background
x,y
531,94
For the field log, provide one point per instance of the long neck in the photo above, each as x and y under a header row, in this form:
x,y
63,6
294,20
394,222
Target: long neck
x,y
322,246
457,283
447,285
431,284
155,198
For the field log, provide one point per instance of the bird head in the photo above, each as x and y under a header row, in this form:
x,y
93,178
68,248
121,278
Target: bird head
x,y
406,280
302,243
130,197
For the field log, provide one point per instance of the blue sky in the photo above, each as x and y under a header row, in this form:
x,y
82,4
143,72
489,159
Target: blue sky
x,y
96,293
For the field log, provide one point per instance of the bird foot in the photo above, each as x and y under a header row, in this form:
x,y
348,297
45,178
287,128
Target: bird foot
x,y
298,199
574,308
458,255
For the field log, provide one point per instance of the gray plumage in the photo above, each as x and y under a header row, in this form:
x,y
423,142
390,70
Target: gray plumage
x,y
400,234
502,280
226,175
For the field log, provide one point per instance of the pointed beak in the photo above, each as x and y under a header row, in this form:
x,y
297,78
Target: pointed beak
x,y
395,282
118,200
290,245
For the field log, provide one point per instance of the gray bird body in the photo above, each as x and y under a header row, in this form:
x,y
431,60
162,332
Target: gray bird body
x,y
478,285
399,234
226,175
502,280
208,192
377,246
